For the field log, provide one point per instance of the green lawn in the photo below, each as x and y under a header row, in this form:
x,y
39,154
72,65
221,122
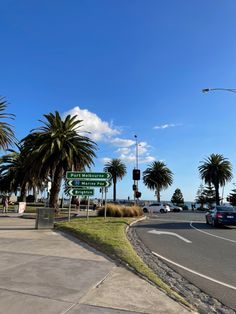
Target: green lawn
x,y
109,236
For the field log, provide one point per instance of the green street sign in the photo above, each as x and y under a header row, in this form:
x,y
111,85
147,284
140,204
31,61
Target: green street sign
x,y
88,175
81,192
87,183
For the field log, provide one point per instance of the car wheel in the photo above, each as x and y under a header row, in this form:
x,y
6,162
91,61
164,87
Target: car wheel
x,y
145,210
162,210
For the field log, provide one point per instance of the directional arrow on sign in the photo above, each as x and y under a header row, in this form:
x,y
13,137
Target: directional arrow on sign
x,y
170,233
89,183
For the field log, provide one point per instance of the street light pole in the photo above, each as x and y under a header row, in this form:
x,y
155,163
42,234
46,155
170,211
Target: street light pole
x,y
136,181
136,138
232,90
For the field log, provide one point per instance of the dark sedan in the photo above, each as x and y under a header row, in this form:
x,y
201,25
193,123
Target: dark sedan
x,y
221,216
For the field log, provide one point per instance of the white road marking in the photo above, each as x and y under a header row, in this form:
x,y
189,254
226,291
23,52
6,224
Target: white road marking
x,y
210,234
195,272
173,220
170,233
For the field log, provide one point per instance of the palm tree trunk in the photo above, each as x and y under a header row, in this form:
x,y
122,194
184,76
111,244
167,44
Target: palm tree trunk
x,y
217,194
158,194
55,189
114,189
23,193
35,193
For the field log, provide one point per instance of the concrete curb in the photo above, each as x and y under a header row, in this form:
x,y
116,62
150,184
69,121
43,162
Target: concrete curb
x,y
191,310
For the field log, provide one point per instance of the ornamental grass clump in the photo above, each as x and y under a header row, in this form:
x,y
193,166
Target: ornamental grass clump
x,y
114,210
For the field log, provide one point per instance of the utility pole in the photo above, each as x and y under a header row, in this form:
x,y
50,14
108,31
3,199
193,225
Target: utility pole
x,y
136,174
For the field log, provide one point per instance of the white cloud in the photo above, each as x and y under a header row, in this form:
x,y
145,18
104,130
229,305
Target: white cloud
x,y
129,154
123,150
167,125
102,131
147,159
105,160
120,142
132,158
99,130
143,148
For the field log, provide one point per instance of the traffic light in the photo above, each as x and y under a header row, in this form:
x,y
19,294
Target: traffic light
x,y
138,194
136,174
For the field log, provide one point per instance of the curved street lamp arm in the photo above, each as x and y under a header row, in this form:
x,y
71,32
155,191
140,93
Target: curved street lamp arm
x,y
206,90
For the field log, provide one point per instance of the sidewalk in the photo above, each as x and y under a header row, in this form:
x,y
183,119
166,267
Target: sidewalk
x,y
49,272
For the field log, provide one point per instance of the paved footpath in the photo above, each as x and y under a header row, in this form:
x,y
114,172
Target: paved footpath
x,y
42,271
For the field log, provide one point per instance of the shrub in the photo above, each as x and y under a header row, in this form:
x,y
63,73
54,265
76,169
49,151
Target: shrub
x,y
120,211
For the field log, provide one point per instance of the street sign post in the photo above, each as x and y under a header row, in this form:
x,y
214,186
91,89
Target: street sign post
x,y
88,175
80,184
87,183
81,192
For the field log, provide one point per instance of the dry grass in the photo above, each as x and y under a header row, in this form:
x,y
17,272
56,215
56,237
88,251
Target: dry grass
x,y
114,210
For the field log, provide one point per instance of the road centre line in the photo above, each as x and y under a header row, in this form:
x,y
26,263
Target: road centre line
x,y
194,272
222,238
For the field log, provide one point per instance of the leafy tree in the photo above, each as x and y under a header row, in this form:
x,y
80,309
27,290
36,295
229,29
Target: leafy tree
x,y
216,170
118,170
57,147
157,177
210,195
6,133
200,198
206,196
232,197
177,197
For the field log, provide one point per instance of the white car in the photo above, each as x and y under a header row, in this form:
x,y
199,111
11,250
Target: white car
x,y
156,208
175,208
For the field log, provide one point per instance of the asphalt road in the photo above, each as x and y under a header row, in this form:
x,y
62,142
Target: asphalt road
x,y
204,255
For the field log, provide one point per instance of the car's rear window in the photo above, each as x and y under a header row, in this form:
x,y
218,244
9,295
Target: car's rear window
x,y
226,209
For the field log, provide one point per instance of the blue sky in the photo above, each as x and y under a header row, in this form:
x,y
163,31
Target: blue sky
x,y
127,67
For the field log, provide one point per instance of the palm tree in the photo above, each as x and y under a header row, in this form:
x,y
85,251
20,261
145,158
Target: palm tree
x,y
118,170
57,147
15,173
157,177
216,170
6,133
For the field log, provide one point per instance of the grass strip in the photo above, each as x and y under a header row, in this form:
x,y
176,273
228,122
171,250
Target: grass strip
x,y
109,236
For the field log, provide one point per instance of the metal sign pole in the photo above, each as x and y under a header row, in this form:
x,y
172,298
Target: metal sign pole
x,y
105,209
69,209
88,207
102,195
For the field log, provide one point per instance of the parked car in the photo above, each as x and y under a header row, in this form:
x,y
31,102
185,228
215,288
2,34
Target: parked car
x,y
156,208
175,208
221,215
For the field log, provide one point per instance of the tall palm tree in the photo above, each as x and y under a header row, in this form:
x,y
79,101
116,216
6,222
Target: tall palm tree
x,y
157,177
216,170
6,133
118,170
55,148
